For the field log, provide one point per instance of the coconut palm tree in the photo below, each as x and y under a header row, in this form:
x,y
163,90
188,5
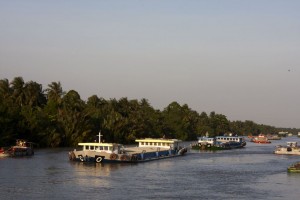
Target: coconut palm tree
x,y
34,94
18,87
5,90
55,92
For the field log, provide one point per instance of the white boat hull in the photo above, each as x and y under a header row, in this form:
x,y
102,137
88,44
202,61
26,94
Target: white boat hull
x,y
286,151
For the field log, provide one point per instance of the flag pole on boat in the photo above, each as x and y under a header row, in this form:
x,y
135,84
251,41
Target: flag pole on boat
x,y
99,136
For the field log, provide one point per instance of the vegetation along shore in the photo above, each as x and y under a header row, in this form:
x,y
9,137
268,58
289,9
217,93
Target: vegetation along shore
x,y
53,117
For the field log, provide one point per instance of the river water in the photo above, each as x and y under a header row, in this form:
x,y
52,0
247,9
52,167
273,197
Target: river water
x,y
253,172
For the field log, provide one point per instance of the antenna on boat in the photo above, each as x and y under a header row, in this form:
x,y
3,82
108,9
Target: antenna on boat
x,y
99,136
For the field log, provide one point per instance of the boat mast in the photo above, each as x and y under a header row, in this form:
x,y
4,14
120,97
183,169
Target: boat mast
x,y
99,136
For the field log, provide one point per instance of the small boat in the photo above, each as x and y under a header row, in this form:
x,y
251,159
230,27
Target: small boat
x,y
219,143
261,139
209,143
291,148
22,148
273,137
232,141
294,167
148,149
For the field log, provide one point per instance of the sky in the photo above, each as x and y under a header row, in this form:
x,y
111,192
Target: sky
x,y
239,58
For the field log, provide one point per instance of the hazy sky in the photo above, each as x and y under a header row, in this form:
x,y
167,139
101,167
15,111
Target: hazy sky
x,y
239,58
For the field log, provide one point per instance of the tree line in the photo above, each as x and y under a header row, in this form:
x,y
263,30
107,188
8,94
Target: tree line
x,y
53,117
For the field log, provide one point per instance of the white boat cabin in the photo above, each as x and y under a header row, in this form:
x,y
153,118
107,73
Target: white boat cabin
x,y
206,140
225,139
161,143
101,147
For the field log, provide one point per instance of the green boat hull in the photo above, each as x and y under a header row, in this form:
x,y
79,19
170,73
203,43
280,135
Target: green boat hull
x,y
295,168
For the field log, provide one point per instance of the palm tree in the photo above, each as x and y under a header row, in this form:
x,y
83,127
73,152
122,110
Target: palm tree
x,y
18,86
5,90
34,94
55,92
74,119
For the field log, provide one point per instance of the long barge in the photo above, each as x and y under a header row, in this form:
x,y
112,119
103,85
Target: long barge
x,y
149,149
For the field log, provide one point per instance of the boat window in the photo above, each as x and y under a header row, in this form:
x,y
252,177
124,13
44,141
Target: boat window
x,y
142,143
106,148
110,148
96,148
146,143
159,144
101,147
155,143
91,147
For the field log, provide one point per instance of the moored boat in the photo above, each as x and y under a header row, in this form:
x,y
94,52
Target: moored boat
x,y
261,139
273,137
21,148
219,143
291,148
294,167
148,149
209,143
233,141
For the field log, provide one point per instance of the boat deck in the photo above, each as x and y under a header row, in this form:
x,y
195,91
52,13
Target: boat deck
x,y
136,150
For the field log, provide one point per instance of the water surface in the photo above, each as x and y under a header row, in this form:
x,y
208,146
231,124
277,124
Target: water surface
x,y
253,172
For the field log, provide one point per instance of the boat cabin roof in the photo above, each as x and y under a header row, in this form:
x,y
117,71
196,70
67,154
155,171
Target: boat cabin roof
x,y
171,141
206,138
229,136
97,144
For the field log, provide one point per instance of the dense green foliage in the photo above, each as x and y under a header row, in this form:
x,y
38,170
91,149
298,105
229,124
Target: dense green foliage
x,y
55,118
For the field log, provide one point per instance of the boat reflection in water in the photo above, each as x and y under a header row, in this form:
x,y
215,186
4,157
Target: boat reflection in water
x,y
94,173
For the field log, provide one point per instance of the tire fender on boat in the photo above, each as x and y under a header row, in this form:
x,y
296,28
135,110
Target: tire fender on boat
x,y
113,156
99,159
124,157
81,158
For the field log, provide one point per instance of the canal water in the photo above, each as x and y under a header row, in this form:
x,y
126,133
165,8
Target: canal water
x,y
253,172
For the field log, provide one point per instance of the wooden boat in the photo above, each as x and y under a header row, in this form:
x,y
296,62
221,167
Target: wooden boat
x,y
261,139
148,149
21,148
294,168
291,148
